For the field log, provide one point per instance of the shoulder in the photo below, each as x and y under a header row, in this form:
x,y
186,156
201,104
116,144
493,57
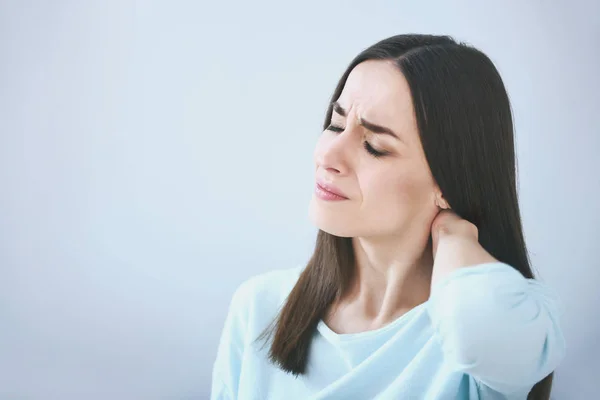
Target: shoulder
x,y
258,299
270,285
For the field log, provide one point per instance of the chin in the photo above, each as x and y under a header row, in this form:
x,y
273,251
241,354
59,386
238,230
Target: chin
x,y
334,222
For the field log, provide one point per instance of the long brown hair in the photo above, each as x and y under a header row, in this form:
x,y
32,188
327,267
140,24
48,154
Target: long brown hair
x,y
465,125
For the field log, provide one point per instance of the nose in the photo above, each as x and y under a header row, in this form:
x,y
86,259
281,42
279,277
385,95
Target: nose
x,y
332,152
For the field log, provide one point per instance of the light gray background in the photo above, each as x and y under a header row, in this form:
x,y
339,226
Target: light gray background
x,y
153,155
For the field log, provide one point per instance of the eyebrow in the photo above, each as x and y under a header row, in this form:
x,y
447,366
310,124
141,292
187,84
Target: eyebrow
x,y
369,125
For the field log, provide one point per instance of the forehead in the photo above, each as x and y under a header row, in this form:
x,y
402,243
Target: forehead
x,y
379,92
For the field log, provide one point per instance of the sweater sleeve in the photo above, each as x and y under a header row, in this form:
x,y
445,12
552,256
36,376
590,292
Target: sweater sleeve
x,y
227,366
497,326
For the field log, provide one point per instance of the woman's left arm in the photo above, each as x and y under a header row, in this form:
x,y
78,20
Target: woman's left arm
x,y
493,323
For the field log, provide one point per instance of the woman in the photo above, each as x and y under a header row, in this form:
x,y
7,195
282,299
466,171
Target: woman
x,y
420,285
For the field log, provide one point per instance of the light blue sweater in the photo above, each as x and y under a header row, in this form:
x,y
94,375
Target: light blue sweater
x,y
485,333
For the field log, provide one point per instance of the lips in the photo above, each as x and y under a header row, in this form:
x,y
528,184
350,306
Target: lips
x,y
330,188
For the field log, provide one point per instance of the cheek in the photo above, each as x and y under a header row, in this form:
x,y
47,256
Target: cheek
x,y
388,187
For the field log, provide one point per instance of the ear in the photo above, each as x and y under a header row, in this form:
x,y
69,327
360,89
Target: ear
x,y
440,201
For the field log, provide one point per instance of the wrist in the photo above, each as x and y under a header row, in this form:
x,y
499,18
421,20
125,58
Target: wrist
x,y
455,252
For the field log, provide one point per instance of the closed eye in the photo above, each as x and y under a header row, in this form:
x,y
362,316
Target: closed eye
x,y
372,151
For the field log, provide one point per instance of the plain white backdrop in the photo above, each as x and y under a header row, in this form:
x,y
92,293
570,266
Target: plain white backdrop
x,y
153,155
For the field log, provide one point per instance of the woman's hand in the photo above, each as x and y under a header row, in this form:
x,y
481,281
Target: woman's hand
x,y
455,245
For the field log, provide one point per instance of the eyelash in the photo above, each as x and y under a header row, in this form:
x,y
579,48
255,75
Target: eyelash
x,y
367,146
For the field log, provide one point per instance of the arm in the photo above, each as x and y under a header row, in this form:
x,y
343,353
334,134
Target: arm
x,y
494,324
227,366
497,326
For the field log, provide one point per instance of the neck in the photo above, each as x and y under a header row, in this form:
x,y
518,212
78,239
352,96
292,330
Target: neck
x,y
393,275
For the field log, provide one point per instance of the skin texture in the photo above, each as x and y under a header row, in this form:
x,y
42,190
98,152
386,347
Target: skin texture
x,y
404,235
455,245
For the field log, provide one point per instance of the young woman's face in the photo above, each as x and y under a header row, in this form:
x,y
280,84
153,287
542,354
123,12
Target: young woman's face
x,y
384,176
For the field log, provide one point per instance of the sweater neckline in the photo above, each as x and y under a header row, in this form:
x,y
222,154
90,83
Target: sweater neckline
x,y
331,335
